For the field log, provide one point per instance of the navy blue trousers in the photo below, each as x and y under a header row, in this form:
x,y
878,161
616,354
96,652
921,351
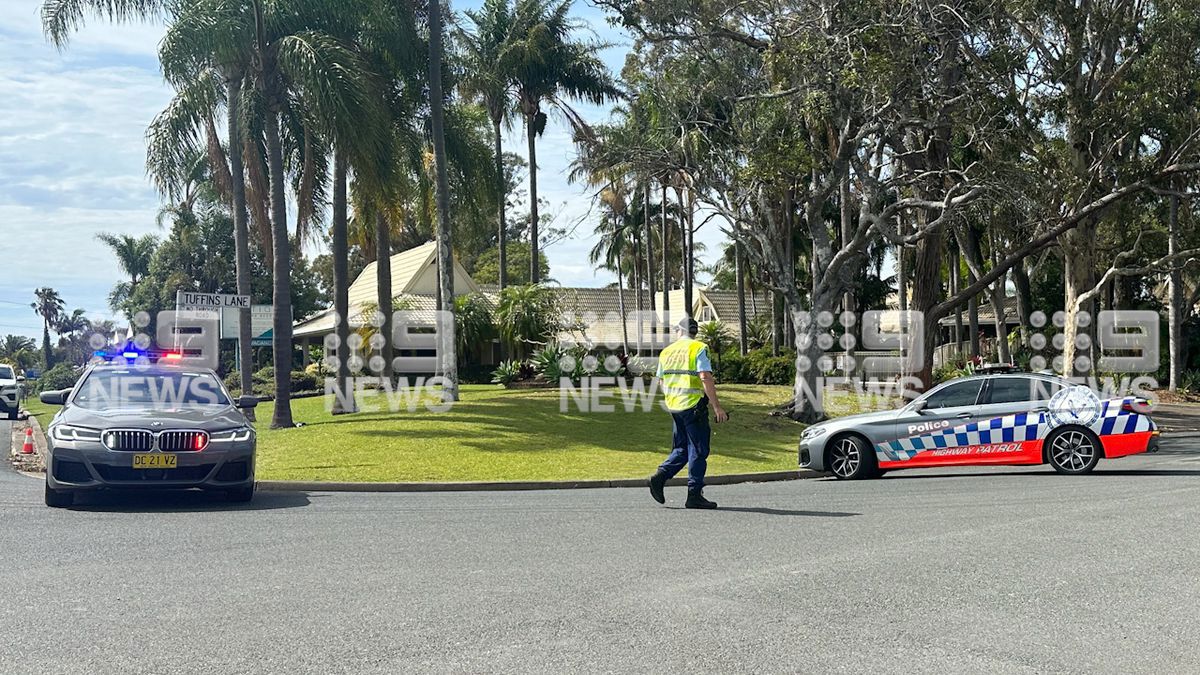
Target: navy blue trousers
x,y
689,445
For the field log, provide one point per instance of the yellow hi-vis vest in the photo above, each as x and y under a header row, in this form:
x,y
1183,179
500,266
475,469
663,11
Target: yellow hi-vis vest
x,y
681,380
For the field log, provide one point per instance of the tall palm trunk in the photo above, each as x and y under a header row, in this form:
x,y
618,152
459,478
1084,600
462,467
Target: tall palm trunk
x,y
743,344
530,133
383,283
666,265
445,258
241,232
343,400
281,337
501,230
649,237
621,300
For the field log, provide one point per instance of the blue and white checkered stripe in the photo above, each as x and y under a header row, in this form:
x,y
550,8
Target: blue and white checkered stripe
x,y
1006,429
1010,429
1114,420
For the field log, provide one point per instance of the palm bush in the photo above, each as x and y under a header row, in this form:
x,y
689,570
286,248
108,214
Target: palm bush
x,y
473,323
527,315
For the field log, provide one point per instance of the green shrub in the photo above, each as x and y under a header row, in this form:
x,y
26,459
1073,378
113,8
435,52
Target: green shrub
x,y
507,373
764,368
60,376
731,368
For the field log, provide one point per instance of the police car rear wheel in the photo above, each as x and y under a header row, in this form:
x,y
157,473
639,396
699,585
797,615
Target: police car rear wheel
x,y
849,459
1073,451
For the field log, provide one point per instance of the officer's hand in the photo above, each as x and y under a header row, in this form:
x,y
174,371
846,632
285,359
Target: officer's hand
x,y
720,414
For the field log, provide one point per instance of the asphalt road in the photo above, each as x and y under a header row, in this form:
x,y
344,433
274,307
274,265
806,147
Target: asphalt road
x,y
997,570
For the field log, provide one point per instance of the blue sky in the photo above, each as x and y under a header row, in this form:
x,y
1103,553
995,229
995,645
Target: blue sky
x,y
72,160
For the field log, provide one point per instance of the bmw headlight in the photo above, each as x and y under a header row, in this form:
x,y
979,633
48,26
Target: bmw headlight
x,y
812,432
66,432
237,435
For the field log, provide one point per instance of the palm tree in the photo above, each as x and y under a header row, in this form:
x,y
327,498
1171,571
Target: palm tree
x,y
304,68
548,66
18,350
486,80
133,257
49,306
616,235
445,258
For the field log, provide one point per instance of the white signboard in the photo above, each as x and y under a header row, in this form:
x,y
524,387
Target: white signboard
x,y
214,301
261,322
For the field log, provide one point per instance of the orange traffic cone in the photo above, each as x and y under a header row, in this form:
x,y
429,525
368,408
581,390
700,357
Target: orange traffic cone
x,y
27,449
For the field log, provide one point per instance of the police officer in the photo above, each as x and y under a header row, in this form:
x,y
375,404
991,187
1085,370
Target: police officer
x,y
687,379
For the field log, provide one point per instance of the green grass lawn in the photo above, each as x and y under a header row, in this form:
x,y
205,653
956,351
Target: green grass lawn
x,y
499,434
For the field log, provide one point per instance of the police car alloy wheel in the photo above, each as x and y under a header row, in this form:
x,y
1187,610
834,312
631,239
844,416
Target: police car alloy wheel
x,y
849,458
1072,451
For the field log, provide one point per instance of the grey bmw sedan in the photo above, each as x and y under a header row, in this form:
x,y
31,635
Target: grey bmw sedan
x,y
148,426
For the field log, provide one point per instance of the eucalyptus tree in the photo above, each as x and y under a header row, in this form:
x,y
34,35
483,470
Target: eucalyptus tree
x,y
548,66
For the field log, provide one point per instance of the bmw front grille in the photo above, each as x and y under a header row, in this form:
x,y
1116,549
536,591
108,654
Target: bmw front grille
x,y
137,440
128,440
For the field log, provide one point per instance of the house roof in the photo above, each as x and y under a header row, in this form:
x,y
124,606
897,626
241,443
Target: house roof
x,y
414,283
986,313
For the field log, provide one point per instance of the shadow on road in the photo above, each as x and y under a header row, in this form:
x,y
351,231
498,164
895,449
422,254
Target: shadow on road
x,y
1100,472
188,501
784,512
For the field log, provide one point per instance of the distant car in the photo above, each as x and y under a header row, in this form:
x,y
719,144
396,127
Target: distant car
x,y
148,426
12,391
1005,419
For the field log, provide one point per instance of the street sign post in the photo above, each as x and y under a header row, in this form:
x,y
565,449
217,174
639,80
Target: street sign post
x,y
213,301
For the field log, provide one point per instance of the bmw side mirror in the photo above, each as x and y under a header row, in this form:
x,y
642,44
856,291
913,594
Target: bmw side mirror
x,y
246,402
918,405
54,397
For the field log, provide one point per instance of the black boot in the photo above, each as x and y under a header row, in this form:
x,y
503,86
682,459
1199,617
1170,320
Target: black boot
x,y
696,500
657,481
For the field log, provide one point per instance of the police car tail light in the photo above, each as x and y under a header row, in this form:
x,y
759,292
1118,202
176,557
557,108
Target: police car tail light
x,y
1137,405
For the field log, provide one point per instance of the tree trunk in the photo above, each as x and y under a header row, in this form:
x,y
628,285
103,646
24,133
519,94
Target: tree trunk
x,y
241,233
685,251
955,287
743,342
1024,300
927,288
530,133
343,401
501,197
649,236
1174,299
383,289
445,255
621,303
666,266
281,337
1080,277
847,297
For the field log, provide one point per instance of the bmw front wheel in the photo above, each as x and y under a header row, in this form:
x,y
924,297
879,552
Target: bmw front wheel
x,y
1073,451
851,459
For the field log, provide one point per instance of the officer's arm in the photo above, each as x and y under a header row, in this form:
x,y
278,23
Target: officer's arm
x,y
710,390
